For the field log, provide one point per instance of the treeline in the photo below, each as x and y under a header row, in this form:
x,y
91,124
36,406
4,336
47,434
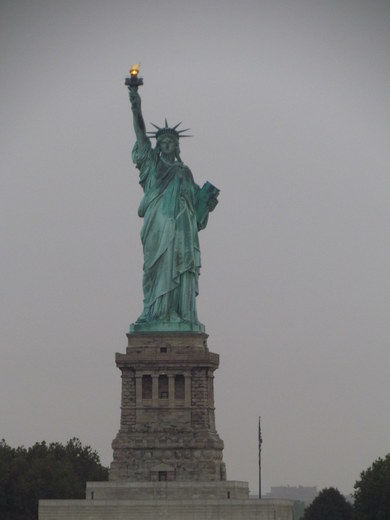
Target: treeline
x,y
44,471
57,471
371,498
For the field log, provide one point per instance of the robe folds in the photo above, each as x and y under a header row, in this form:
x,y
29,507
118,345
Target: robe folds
x,y
169,237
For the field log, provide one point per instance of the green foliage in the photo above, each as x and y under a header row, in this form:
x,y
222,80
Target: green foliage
x,y
44,471
372,492
330,504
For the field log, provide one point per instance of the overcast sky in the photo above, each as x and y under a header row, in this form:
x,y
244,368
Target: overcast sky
x,y
288,103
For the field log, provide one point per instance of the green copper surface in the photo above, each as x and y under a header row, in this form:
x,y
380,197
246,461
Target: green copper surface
x,y
174,209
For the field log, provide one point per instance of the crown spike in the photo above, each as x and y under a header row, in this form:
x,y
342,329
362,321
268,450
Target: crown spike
x,y
166,130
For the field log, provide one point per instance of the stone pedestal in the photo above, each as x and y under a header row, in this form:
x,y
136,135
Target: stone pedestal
x,y
161,509
167,461
167,429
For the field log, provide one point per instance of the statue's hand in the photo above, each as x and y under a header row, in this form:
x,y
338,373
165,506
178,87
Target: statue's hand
x,y
135,99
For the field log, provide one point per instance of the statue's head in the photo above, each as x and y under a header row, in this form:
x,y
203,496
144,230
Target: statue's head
x,y
168,144
168,139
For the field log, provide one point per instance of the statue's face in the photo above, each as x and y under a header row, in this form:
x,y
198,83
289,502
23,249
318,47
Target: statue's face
x,y
167,145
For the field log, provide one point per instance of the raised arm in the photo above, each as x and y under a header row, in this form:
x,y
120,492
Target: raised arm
x,y
138,120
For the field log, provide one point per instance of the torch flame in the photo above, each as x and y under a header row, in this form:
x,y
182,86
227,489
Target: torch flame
x,y
135,69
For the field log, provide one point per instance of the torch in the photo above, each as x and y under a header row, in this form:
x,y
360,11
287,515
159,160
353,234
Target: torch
x,y
134,80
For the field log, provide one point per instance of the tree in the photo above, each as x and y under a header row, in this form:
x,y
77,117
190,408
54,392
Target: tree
x,y
372,492
330,504
44,471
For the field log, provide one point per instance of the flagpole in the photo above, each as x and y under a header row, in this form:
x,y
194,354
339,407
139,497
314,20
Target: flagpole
x,y
260,443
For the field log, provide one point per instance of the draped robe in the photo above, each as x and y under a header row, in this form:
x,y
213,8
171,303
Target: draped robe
x,y
169,237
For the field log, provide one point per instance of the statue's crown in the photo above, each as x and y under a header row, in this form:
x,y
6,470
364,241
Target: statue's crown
x,y
167,130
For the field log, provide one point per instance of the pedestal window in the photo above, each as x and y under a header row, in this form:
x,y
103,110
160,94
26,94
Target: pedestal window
x,y
146,387
163,386
180,392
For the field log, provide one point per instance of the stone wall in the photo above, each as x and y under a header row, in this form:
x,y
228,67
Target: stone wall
x,y
166,509
125,490
167,410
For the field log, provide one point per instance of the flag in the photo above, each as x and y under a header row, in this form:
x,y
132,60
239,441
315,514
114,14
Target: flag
x,y
260,437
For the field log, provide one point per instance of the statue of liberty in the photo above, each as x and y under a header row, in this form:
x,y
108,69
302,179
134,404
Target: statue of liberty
x,y
174,209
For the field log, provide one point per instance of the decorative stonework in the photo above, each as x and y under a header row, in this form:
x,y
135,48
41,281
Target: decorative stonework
x,y
167,416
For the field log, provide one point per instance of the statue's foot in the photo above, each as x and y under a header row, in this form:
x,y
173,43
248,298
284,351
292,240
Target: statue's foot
x,y
171,322
173,318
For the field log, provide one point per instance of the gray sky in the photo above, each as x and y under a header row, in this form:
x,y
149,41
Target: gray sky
x,y
288,103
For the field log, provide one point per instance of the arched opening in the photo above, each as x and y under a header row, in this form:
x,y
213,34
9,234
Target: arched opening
x,y
180,391
146,387
163,386
162,476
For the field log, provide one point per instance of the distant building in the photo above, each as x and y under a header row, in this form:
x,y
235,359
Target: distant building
x,y
305,494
